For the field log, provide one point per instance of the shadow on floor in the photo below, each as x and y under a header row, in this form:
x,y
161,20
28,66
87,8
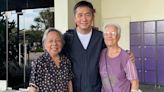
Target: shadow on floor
x,y
151,88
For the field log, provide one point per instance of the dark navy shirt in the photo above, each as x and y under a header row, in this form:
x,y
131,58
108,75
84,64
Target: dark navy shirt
x,y
85,61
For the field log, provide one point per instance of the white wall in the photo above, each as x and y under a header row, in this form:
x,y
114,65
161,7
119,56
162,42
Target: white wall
x,y
61,14
98,16
132,10
71,4
138,10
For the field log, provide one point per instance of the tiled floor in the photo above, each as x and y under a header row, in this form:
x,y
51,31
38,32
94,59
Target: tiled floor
x,y
151,88
144,88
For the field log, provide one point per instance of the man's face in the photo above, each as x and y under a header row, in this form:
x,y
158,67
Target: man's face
x,y
83,18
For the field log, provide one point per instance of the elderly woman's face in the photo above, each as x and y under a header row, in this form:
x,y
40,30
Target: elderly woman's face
x,y
111,36
53,43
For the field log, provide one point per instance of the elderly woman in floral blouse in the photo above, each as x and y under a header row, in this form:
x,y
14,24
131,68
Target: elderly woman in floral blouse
x,y
51,72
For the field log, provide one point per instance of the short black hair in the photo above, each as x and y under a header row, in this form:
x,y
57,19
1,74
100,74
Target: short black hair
x,y
84,4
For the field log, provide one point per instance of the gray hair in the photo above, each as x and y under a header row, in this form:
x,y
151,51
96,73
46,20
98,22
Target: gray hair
x,y
51,30
117,26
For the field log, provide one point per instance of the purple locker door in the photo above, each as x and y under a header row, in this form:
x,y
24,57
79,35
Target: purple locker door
x,y
135,39
160,51
161,77
150,63
140,75
149,51
136,50
150,77
161,71
160,26
149,27
160,37
149,39
138,63
161,64
135,27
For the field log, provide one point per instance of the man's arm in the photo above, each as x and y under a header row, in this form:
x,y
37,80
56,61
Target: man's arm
x,y
131,55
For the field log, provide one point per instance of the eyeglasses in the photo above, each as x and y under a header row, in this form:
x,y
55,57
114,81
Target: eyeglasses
x,y
107,34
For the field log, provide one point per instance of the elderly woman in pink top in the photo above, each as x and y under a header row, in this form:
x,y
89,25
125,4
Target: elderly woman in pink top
x,y
118,73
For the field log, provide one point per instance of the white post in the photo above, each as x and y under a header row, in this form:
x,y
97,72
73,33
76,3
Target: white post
x,y
64,14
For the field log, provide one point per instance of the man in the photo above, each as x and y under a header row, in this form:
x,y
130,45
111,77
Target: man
x,y
83,45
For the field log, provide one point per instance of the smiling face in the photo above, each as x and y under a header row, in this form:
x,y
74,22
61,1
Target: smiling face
x,y
111,36
53,43
83,18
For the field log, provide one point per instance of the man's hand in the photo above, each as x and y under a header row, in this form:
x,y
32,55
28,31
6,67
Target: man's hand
x,y
131,56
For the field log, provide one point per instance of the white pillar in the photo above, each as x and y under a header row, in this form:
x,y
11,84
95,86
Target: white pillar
x,y
64,14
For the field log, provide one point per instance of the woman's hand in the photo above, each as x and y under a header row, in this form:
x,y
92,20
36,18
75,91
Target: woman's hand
x,y
70,88
32,89
135,85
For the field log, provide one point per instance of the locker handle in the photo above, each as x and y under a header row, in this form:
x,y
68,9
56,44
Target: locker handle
x,y
139,46
145,46
139,59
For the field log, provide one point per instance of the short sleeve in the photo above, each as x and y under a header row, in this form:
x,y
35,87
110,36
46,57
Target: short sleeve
x,y
131,71
33,76
70,74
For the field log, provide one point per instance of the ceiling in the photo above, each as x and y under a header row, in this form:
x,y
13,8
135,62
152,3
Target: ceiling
x,y
18,5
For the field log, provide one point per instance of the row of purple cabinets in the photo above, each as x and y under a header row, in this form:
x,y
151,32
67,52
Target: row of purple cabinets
x,y
146,41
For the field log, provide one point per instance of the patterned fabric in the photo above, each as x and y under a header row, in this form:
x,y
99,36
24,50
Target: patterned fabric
x,y
47,77
117,72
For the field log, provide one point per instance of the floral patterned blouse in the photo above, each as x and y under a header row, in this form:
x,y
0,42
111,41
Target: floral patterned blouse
x,y
47,77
